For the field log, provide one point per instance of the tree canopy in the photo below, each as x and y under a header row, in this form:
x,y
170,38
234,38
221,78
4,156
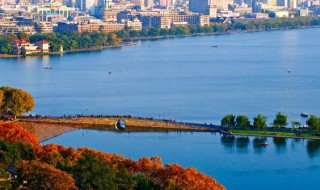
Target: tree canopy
x,y
314,122
280,120
259,122
242,122
228,120
16,101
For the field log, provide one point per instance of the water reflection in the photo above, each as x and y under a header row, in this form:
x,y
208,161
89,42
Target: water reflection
x,y
228,140
242,144
280,144
313,148
257,141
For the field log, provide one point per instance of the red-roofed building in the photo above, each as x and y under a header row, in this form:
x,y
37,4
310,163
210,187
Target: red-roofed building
x,y
43,45
23,47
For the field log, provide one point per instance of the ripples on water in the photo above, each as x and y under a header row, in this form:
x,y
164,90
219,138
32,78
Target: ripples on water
x,y
181,78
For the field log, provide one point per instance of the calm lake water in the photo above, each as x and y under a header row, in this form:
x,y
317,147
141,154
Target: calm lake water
x,y
182,78
187,79
239,163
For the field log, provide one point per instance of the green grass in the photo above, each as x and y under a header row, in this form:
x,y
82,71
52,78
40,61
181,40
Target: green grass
x,y
249,132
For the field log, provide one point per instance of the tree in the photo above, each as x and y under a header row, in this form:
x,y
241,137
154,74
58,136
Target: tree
x,y
13,133
44,176
228,120
295,124
280,120
17,101
313,123
242,122
1,98
92,172
259,122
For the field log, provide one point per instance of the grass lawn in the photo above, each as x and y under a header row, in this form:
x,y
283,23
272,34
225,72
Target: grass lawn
x,y
249,132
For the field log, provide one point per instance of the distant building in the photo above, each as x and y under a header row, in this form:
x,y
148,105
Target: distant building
x,y
90,27
12,27
60,10
166,3
199,6
24,47
163,18
43,27
134,25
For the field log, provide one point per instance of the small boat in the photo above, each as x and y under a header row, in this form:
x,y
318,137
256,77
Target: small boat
x,y
264,144
48,67
303,114
214,46
130,44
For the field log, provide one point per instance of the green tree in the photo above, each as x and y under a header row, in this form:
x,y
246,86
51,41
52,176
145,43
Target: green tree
x,y
229,120
17,101
295,124
92,172
242,122
313,123
259,122
280,120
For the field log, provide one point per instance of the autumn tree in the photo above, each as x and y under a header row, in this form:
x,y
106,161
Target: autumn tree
x,y
259,122
1,98
16,100
280,120
44,176
228,120
13,133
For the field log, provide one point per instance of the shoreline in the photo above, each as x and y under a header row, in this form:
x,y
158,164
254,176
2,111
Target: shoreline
x,y
133,125
150,38
275,136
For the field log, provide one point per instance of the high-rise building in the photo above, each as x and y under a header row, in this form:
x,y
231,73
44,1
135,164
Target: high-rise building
x,y
148,3
293,4
219,4
272,2
138,2
199,6
166,2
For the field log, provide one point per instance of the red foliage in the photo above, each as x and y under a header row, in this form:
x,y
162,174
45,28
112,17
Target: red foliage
x,y
169,176
45,176
13,133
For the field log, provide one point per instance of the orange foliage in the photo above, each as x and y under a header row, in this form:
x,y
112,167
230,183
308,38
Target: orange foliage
x,y
13,133
187,179
45,176
169,176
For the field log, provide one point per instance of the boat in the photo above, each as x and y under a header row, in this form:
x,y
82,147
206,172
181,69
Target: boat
x,y
214,46
130,44
264,144
303,114
48,67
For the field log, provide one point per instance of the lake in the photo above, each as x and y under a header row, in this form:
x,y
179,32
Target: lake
x,y
239,163
181,78
186,79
